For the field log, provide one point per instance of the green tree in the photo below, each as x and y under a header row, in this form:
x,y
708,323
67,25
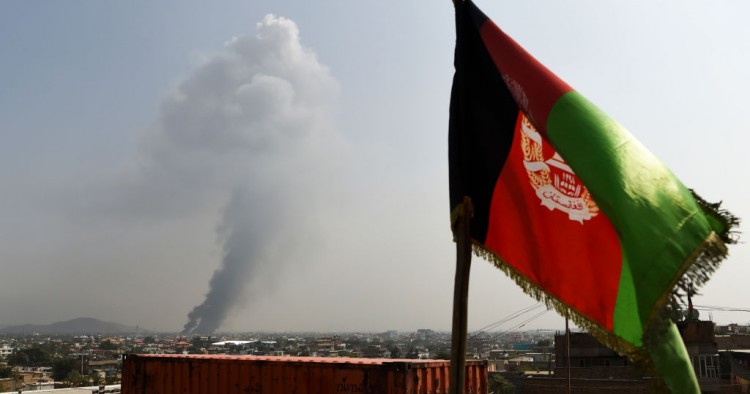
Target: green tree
x,y
19,358
75,379
39,356
443,355
62,368
544,343
32,357
194,350
497,384
108,345
396,352
6,372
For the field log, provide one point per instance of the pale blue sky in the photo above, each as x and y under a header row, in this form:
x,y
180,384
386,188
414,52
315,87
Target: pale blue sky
x,y
84,83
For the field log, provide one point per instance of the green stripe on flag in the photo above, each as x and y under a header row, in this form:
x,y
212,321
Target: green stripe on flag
x,y
627,322
659,224
656,218
673,362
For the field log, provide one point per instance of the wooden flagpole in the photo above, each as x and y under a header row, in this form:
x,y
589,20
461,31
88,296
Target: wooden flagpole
x,y
567,350
462,232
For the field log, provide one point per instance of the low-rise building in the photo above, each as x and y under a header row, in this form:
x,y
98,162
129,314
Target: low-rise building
x,y
703,350
5,351
8,384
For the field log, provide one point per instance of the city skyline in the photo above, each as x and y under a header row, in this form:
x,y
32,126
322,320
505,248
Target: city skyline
x,y
139,138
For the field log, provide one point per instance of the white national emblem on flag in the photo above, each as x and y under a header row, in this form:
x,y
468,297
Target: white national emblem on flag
x,y
553,180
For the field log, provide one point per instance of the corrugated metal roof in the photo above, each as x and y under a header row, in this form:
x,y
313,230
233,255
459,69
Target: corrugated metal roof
x,y
229,374
322,360
70,390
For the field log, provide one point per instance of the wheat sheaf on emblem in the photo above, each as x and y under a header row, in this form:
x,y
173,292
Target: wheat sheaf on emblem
x,y
553,180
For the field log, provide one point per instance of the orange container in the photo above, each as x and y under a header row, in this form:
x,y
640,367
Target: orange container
x,y
167,374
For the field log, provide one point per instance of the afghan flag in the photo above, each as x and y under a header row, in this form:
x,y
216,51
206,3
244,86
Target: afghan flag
x,y
570,205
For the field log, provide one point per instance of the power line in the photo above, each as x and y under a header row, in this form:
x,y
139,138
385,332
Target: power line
x,y
506,319
523,323
720,308
512,316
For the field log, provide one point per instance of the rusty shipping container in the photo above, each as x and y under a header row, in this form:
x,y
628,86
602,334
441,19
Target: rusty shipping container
x,y
168,374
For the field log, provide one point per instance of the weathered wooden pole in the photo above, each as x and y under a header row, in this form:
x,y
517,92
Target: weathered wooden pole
x,y
462,234
567,350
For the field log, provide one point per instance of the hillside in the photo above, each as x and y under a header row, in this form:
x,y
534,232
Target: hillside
x,y
81,325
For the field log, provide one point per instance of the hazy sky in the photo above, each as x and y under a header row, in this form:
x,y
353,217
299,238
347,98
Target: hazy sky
x,y
146,145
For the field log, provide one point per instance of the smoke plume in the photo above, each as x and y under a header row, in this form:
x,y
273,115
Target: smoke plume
x,y
252,124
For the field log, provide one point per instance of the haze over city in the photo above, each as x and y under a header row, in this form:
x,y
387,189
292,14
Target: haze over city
x,y
282,165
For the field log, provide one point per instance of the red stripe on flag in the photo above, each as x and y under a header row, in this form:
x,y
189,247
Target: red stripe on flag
x,y
534,87
544,224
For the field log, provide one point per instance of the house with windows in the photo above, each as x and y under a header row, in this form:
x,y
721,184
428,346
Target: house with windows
x,y
700,342
5,350
588,362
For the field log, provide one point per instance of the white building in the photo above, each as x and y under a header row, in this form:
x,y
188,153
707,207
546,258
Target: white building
x,y
5,351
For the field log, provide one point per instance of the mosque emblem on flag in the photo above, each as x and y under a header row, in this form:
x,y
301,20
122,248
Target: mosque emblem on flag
x,y
555,184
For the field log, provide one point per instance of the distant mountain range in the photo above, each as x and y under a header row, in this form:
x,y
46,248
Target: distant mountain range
x,y
81,325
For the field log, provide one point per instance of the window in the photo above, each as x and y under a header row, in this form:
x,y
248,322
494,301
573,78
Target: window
x,y
706,366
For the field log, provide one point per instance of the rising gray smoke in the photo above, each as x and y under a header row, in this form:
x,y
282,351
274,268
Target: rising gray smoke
x,y
253,124
250,235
